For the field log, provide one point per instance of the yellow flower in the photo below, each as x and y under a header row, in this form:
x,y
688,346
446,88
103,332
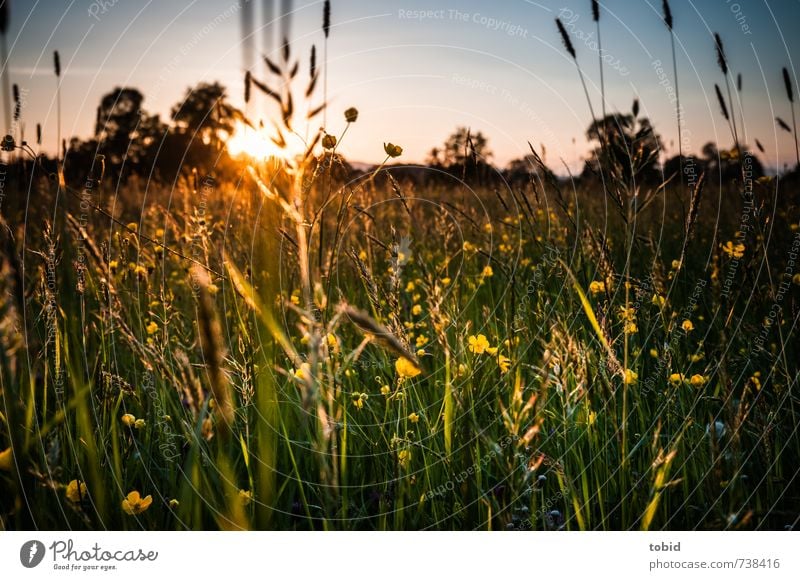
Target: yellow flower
x,y
76,491
687,325
134,504
404,457
392,150
410,287
630,377
421,341
628,314
406,369
414,418
385,390
631,328
174,504
659,300
152,327
677,378
303,373
478,344
113,265
696,357
333,342
597,287
139,424
416,310
697,380
654,352
487,272
468,248
733,250
128,420
796,279
446,281
676,264
359,399
133,226
504,363
245,496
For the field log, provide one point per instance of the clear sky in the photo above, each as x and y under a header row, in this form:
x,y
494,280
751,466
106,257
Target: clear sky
x,y
416,69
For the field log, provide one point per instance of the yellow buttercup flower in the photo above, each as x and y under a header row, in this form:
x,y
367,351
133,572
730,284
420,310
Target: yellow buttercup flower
x,y
392,150
76,491
385,390
733,250
303,373
128,420
478,344
152,327
677,378
414,418
630,377
687,325
597,287
134,504
404,457
406,369
487,272
416,310
139,424
697,380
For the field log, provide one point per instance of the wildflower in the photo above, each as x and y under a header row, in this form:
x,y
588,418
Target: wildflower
x,y
174,504
468,248
697,380
333,342
597,287
128,420
446,281
796,279
134,504
404,457
462,369
414,418
478,344
487,272
329,141
359,399
140,271
654,352
410,287
504,363
303,373
76,491
630,328
113,265
491,350
139,424
696,357
676,264
422,340
420,352
659,300
245,496
362,255
351,115
416,310
406,369
687,326
630,377
152,327
735,251
133,226
392,150
385,390
628,314
677,378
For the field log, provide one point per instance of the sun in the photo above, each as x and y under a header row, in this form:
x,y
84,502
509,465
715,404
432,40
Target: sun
x,y
257,144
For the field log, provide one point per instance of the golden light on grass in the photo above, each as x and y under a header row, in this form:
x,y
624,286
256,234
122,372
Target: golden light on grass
x,y
257,144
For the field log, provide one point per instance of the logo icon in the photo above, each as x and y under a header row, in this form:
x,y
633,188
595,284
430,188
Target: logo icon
x,y
31,553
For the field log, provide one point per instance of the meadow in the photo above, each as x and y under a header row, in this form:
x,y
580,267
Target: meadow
x,y
290,343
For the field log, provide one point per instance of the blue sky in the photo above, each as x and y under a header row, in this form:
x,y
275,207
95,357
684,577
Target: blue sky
x,y
416,69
